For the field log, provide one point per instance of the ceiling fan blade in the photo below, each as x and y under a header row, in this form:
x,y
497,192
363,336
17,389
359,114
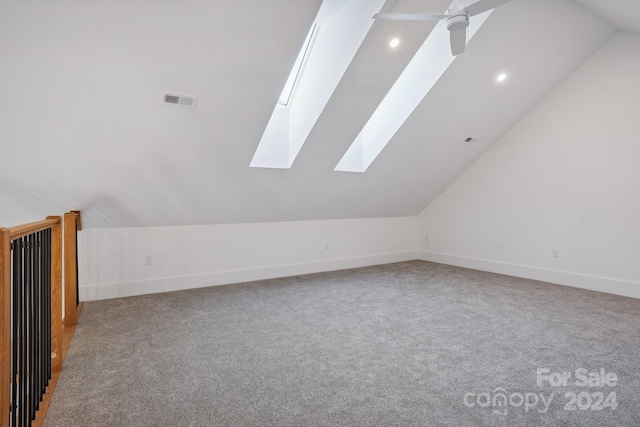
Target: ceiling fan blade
x,y
410,16
458,41
484,5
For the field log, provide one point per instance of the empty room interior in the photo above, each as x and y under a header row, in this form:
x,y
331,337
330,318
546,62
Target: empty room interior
x,y
328,212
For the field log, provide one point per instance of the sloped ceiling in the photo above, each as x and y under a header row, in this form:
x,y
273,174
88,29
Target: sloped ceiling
x,y
83,126
623,14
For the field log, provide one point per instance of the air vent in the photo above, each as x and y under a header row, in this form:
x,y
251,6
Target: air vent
x,y
470,140
186,101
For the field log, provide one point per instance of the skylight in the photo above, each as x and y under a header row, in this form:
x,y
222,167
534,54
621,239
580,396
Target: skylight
x,y
341,26
425,69
296,71
318,69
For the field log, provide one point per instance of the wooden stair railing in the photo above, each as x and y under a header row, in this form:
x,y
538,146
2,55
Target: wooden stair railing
x,y
35,292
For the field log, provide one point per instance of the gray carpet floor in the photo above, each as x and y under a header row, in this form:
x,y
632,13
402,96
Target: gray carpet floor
x,y
412,343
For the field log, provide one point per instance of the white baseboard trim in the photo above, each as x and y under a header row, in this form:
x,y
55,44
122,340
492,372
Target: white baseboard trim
x,y
168,284
576,280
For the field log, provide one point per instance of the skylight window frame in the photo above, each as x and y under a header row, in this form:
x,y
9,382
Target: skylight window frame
x,y
298,67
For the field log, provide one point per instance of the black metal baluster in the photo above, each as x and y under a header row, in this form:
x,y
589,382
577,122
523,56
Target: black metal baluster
x,y
20,310
37,375
38,321
29,301
22,378
23,338
16,269
34,328
43,320
47,307
28,335
43,323
30,332
30,325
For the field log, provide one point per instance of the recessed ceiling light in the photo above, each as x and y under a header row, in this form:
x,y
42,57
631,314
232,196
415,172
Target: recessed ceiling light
x,y
394,42
501,77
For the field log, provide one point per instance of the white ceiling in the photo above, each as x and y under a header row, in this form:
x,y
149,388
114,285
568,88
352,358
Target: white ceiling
x,y
81,83
623,14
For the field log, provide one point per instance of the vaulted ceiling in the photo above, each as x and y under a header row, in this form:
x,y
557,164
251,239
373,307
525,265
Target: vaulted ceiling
x,y
83,125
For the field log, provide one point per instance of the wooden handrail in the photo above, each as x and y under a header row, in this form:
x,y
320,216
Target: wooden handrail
x,y
33,227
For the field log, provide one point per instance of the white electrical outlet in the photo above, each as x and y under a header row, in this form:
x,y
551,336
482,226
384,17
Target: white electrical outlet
x,y
555,253
326,246
426,239
148,261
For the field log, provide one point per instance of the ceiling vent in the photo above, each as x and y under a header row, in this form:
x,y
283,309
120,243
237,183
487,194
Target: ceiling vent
x,y
470,140
186,101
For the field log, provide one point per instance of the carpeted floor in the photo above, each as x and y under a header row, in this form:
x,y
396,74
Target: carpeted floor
x,y
412,343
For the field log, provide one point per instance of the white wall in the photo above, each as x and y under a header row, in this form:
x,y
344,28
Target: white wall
x,y
567,177
112,261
